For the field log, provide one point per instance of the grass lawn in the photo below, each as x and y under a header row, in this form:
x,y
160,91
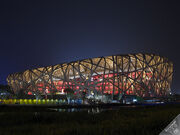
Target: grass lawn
x,y
126,121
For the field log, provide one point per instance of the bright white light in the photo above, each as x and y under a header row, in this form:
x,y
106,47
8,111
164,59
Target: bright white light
x,y
134,100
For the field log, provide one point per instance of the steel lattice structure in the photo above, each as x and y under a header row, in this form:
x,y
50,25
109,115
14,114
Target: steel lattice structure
x,y
136,74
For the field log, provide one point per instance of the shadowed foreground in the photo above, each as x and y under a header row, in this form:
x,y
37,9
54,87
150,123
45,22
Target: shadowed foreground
x,y
126,121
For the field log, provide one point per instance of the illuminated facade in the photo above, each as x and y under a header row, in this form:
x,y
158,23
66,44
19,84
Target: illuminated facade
x,y
145,75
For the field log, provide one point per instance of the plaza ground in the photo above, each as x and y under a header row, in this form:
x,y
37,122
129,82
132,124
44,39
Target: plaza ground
x,y
145,120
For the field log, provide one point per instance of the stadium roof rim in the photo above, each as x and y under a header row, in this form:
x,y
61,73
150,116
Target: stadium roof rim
x,y
94,58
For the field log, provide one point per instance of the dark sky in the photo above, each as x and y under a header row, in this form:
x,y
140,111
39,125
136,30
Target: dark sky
x,y
40,33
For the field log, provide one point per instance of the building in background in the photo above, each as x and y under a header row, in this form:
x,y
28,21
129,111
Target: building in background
x,y
144,75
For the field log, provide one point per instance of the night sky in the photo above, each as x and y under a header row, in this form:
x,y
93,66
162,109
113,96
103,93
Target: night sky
x,y
42,33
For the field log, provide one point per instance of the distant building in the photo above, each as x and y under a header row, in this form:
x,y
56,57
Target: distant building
x,y
144,75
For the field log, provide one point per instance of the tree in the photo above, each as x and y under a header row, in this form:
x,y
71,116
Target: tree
x,y
6,89
84,95
21,94
69,94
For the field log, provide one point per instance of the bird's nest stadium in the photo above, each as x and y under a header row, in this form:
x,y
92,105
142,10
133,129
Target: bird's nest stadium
x,y
144,75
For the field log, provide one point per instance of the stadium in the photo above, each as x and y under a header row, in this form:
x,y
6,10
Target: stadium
x,y
144,75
